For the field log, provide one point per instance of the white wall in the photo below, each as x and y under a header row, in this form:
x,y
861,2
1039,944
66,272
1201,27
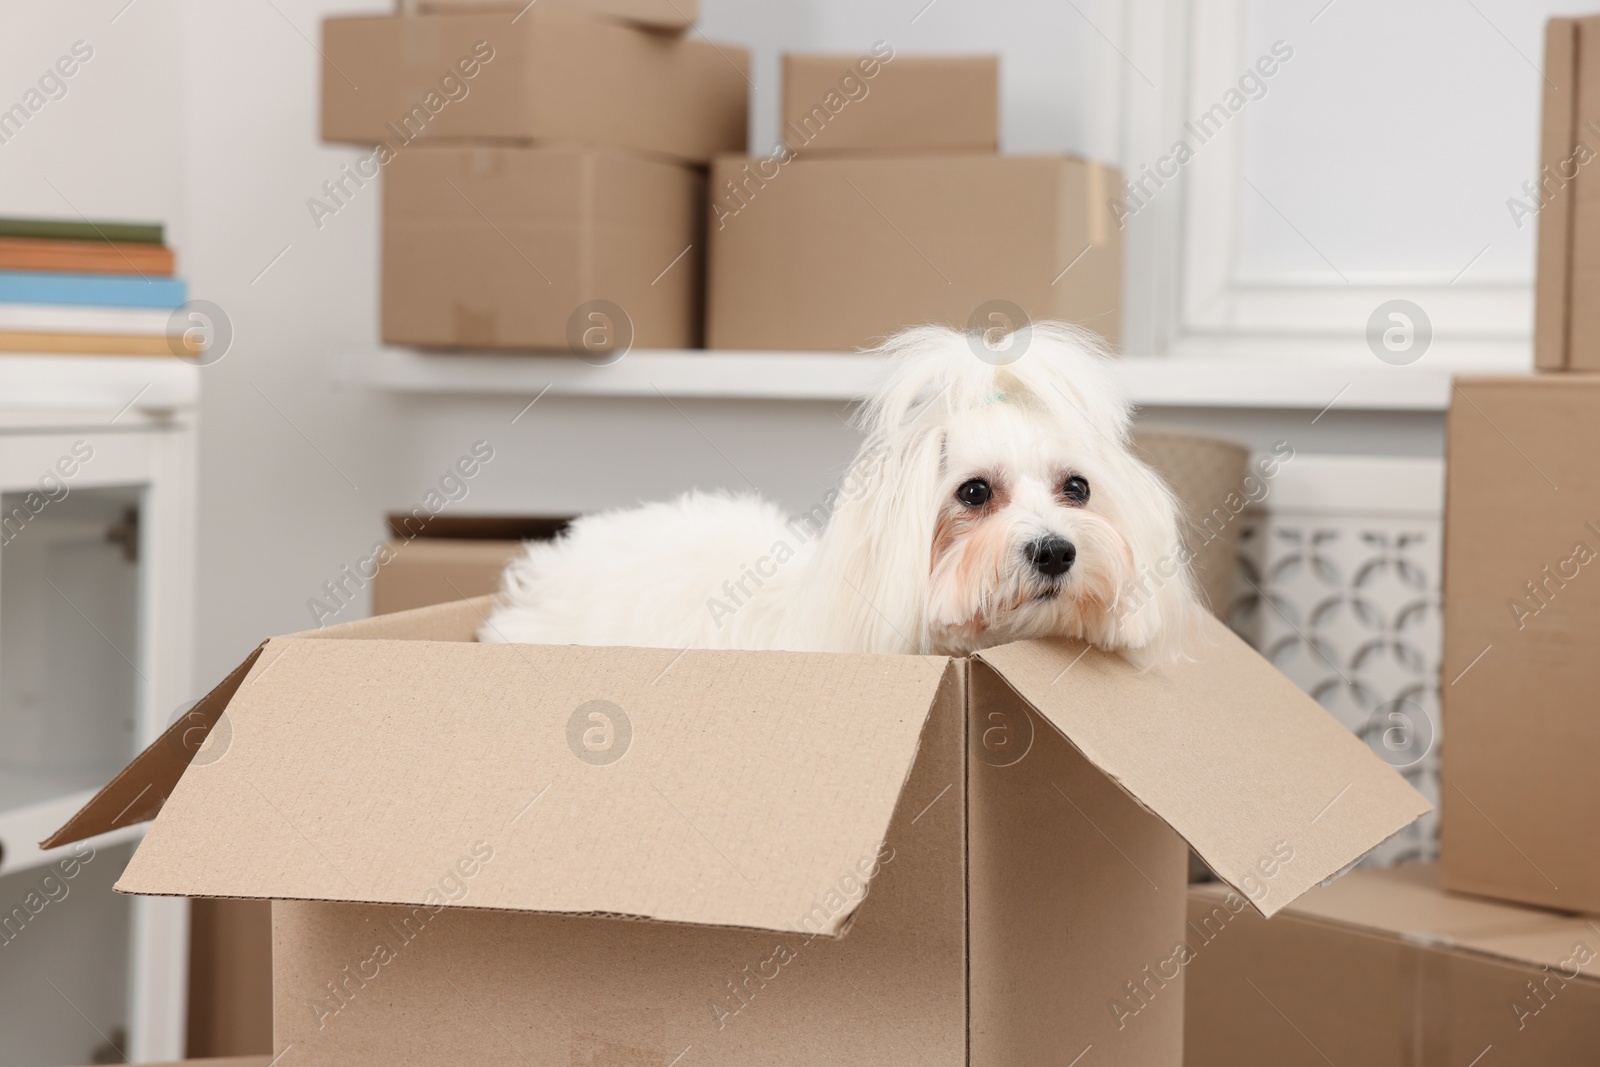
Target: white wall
x,y
1393,138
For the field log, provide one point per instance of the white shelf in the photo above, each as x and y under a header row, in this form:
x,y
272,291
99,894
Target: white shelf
x,y
31,385
1184,381
21,830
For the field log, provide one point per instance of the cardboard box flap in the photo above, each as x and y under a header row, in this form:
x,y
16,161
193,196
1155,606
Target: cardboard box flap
x,y
1229,752
1406,903
718,788
140,788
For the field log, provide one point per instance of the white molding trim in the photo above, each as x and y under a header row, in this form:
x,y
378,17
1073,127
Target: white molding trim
x,y
1385,486
1227,375
1182,288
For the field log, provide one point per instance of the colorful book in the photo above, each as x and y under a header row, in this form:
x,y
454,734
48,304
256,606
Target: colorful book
x,y
84,257
28,287
97,344
69,318
149,233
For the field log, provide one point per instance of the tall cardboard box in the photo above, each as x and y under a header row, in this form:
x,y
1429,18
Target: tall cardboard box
x,y
1567,196
1382,969
884,102
1520,737
836,254
672,15
567,854
513,246
546,75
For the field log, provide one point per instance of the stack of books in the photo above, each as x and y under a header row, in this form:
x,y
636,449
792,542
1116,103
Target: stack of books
x,y
100,288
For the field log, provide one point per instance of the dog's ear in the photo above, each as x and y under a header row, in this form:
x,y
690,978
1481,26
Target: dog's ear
x,y
878,547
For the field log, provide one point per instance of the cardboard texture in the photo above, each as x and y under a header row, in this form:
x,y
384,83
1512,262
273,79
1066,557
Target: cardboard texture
x,y
655,14
510,247
857,104
433,570
451,874
548,75
1521,608
836,254
1385,970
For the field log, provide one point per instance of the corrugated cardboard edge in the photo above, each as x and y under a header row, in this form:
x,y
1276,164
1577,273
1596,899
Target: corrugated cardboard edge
x,y
139,790
1553,287
1430,940
951,675
1264,909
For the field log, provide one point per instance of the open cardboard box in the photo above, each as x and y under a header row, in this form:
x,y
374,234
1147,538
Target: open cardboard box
x,y
480,853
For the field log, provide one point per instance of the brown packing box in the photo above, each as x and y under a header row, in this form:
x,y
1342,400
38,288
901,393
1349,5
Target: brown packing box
x,y
864,103
1520,817
656,14
1382,969
1567,313
514,246
546,75
835,254
434,559
612,855
1553,281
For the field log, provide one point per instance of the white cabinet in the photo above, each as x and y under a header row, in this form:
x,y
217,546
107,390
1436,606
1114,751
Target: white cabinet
x,y
96,627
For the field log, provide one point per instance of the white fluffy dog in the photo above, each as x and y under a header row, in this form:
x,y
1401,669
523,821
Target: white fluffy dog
x,y
988,503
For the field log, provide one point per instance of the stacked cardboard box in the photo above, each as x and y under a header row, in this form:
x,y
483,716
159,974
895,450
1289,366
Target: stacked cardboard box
x,y
888,207
1566,198
1520,811
1522,526
1383,969
544,183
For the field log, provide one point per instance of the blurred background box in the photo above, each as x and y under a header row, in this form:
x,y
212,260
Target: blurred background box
x,y
452,557
543,75
656,14
1567,313
863,103
833,254
497,247
1382,969
1520,805
1203,472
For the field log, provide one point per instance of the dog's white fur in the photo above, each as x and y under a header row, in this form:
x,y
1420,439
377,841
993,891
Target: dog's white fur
x,y
903,566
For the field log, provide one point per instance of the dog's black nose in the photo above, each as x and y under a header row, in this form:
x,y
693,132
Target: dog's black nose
x,y
1052,556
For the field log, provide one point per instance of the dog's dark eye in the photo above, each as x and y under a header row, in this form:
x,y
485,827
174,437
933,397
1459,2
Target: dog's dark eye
x,y
974,494
1076,489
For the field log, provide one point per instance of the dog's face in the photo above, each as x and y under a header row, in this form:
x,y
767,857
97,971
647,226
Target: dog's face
x,y
1027,540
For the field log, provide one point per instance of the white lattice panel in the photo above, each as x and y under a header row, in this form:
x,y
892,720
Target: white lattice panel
x,y
1346,603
